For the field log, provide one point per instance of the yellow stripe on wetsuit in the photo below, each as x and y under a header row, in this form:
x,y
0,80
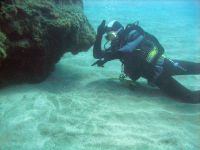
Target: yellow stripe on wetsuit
x,y
152,54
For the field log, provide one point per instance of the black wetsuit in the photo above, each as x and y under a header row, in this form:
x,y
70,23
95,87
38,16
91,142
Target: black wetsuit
x,y
133,47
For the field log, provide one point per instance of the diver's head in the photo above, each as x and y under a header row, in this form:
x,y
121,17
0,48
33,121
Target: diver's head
x,y
112,30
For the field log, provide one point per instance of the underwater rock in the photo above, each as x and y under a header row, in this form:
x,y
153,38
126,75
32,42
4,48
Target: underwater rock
x,y
34,34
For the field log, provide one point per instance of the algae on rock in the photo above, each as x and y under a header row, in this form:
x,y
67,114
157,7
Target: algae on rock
x,y
34,34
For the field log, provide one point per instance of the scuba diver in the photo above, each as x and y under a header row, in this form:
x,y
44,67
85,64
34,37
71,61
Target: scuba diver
x,y
141,55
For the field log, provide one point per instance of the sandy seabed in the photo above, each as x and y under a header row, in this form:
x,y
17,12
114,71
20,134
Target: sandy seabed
x,y
83,107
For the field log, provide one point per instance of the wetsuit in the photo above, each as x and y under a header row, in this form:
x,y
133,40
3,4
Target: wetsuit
x,y
134,49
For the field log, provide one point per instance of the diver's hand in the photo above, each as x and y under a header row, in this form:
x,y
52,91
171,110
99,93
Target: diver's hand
x,y
101,28
99,63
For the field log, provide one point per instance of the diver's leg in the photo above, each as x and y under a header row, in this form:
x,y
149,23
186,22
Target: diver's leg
x,y
173,88
180,67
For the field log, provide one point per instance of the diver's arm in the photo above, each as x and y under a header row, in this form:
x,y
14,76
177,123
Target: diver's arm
x,y
107,56
97,51
132,45
126,49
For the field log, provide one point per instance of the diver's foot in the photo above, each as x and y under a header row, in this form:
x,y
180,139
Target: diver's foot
x,y
192,98
196,97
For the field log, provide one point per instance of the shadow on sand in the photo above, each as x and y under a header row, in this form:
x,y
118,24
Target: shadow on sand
x,y
117,87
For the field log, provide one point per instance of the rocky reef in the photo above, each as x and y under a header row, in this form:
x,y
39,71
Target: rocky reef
x,y
34,34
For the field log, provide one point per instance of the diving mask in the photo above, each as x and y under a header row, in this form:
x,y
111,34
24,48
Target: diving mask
x,y
111,36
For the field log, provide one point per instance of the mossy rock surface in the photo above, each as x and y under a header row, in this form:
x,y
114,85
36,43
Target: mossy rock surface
x,y
34,34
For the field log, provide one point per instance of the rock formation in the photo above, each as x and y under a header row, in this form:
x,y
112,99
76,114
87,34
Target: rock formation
x,y
34,34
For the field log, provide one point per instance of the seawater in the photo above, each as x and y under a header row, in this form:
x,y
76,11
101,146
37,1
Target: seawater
x,y
80,107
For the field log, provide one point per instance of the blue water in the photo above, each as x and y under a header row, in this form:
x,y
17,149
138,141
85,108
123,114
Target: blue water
x,y
80,107
175,23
